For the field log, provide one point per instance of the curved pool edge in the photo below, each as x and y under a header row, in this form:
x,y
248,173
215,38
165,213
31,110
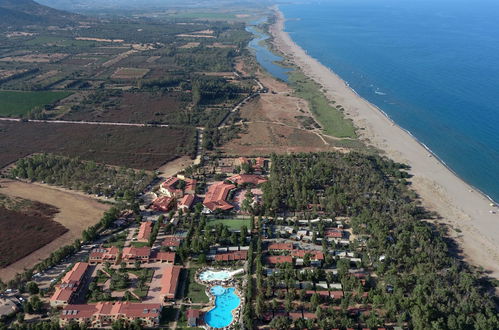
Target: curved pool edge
x,y
235,312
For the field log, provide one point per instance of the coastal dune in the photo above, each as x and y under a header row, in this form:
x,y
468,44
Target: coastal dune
x,y
467,211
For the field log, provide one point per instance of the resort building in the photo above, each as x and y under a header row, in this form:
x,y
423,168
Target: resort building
x,y
232,256
162,204
280,247
185,203
334,233
241,179
132,254
168,188
145,231
158,256
190,186
102,254
172,242
70,287
314,255
169,281
275,260
216,197
193,317
103,314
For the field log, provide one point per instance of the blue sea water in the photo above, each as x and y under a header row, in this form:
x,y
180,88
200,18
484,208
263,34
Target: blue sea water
x,y
432,66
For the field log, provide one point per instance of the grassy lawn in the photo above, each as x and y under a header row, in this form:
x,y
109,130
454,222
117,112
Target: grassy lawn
x,y
331,119
139,244
141,293
17,103
233,224
194,290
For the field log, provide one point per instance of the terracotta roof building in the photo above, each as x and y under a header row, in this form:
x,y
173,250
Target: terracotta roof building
x,y
186,202
232,256
216,196
158,256
275,260
168,187
145,231
169,281
334,233
163,204
240,179
190,186
172,241
103,314
280,247
193,316
314,255
69,288
102,254
131,254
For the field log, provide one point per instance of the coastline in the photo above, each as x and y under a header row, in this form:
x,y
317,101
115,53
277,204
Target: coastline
x,y
464,208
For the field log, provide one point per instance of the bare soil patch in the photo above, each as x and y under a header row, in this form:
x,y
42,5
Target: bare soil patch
x,y
35,58
76,213
175,166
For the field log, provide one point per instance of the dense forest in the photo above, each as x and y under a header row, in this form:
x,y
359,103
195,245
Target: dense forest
x,y
90,177
417,282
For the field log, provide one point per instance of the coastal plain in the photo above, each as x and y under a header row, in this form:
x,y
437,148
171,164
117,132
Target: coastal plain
x,y
466,210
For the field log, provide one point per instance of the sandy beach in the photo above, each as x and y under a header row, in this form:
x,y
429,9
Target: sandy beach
x,y
465,210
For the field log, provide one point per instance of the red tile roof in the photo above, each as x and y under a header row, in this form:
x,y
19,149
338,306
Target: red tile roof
x,y
75,275
132,253
280,246
163,256
169,281
162,203
274,260
247,178
314,255
116,309
186,201
144,231
190,186
101,254
232,256
216,196
334,233
173,241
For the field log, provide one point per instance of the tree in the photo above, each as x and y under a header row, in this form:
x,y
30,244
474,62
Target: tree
x,y
32,288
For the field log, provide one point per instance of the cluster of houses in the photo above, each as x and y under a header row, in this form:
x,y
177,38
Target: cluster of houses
x,y
69,292
175,192
301,247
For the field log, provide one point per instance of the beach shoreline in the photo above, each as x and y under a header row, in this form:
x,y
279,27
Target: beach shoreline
x,y
464,208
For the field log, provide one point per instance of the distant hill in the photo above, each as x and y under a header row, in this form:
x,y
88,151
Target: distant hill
x,y
29,12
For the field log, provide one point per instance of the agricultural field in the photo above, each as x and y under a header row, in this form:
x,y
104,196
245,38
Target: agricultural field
x,y
131,107
76,212
135,147
33,221
129,73
18,103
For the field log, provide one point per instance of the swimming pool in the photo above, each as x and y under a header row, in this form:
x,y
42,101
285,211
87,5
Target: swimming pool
x,y
217,275
226,300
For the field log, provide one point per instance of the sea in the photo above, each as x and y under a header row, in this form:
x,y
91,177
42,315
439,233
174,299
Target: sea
x,y
431,66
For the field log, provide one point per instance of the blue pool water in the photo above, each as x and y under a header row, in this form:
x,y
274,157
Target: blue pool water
x,y
432,66
264,56
226,300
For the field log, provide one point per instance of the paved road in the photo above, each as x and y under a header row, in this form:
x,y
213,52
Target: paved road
x,y
104,123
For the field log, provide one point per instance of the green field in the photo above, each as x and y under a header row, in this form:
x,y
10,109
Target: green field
x,y
233,224
17,103
331,119
195,291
